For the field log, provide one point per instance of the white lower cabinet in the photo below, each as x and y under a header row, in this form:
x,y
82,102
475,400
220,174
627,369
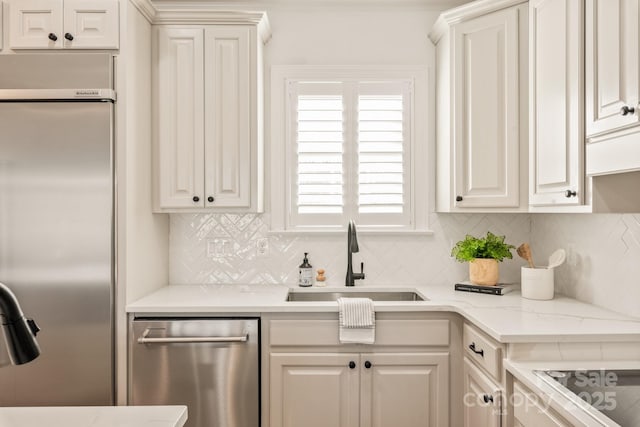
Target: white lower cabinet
x,y
404,389
314,381
483,398
314,390
341,390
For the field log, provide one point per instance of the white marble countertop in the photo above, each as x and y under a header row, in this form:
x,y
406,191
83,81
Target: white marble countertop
x,y
94,416
507,318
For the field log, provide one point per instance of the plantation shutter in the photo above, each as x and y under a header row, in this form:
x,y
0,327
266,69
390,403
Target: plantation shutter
x,y
350,152
383,153
318,187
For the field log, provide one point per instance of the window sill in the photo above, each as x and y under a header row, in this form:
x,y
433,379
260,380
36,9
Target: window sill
x,y
361,231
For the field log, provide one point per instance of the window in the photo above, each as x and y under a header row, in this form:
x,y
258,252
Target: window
x,y
350,147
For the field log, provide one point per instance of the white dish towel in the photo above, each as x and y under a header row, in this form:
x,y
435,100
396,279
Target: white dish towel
x,y
357,320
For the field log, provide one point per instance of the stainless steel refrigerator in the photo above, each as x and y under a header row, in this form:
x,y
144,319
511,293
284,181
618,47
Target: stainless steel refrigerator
x,y
57,222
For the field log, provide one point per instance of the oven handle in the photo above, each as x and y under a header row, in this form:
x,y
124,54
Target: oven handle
x,y
144,339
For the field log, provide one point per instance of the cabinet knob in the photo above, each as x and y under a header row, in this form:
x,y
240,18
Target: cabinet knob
x,y
458,198
52,37
625,110
68,36
487,398
570,193
210,199
196,199
367,364
352,365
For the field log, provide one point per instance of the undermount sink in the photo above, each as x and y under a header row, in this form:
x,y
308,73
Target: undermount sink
x,y
333,295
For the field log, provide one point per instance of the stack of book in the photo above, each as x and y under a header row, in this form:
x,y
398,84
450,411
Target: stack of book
x,y
499,289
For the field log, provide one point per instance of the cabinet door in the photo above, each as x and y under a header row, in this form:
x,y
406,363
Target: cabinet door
x,y
90,24
314,390
35,24
405,390
556,137
180,118
482,398
486,112
612,71
228,131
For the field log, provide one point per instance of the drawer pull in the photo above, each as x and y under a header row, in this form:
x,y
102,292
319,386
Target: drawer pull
x,y
352,365
487,398
472,347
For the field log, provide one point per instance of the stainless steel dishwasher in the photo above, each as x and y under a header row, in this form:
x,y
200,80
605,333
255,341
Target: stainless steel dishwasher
x,y
210,365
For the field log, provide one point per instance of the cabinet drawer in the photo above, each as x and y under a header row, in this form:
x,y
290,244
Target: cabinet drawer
x,y
432,332
484,351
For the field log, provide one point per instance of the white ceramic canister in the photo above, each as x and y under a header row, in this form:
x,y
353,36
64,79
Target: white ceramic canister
x,y
537,283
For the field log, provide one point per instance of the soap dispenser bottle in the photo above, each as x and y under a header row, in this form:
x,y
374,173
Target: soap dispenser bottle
x,y
305,273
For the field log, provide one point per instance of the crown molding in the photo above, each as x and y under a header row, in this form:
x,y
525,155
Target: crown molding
x,y
146,8
465,12
166,13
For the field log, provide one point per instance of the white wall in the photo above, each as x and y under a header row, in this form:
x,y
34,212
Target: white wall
x,y
142,246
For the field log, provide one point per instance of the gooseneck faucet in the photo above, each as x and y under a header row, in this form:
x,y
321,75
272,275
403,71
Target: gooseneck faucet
x,y
20,332
352,247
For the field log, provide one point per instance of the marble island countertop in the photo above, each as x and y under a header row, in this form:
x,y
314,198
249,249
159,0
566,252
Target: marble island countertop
x,y
94,416
507,318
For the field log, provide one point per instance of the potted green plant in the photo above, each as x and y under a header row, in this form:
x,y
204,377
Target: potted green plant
x,y
483,255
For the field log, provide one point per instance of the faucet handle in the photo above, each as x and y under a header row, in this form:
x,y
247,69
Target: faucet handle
x,y
359,276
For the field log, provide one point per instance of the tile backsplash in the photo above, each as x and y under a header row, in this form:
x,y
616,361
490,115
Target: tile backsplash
x,y
223,248
603,263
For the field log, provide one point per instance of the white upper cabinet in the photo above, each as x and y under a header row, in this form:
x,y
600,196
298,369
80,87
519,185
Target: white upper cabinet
x,y
482,108
612,75
63,24
208,118
228,125
612,72
556,157
180,117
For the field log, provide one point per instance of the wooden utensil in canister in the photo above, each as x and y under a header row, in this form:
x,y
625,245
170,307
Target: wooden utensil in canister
x,y
525,252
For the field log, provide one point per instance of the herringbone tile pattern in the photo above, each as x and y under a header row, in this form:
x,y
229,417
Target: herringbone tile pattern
x,y
389,260
603,263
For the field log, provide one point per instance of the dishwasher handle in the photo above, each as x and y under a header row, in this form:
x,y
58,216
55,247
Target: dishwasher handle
x,y
144,339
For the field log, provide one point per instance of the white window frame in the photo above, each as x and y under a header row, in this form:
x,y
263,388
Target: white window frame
x,y
281,145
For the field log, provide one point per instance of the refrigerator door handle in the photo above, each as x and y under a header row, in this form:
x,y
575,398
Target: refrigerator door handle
x,y
144,339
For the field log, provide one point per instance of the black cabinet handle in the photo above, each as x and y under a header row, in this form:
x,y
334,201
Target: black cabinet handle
x,y
487,398
352,365
52,37
68,36
210,199
196,199
625,110
367,364
570,193
458,198
472,347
